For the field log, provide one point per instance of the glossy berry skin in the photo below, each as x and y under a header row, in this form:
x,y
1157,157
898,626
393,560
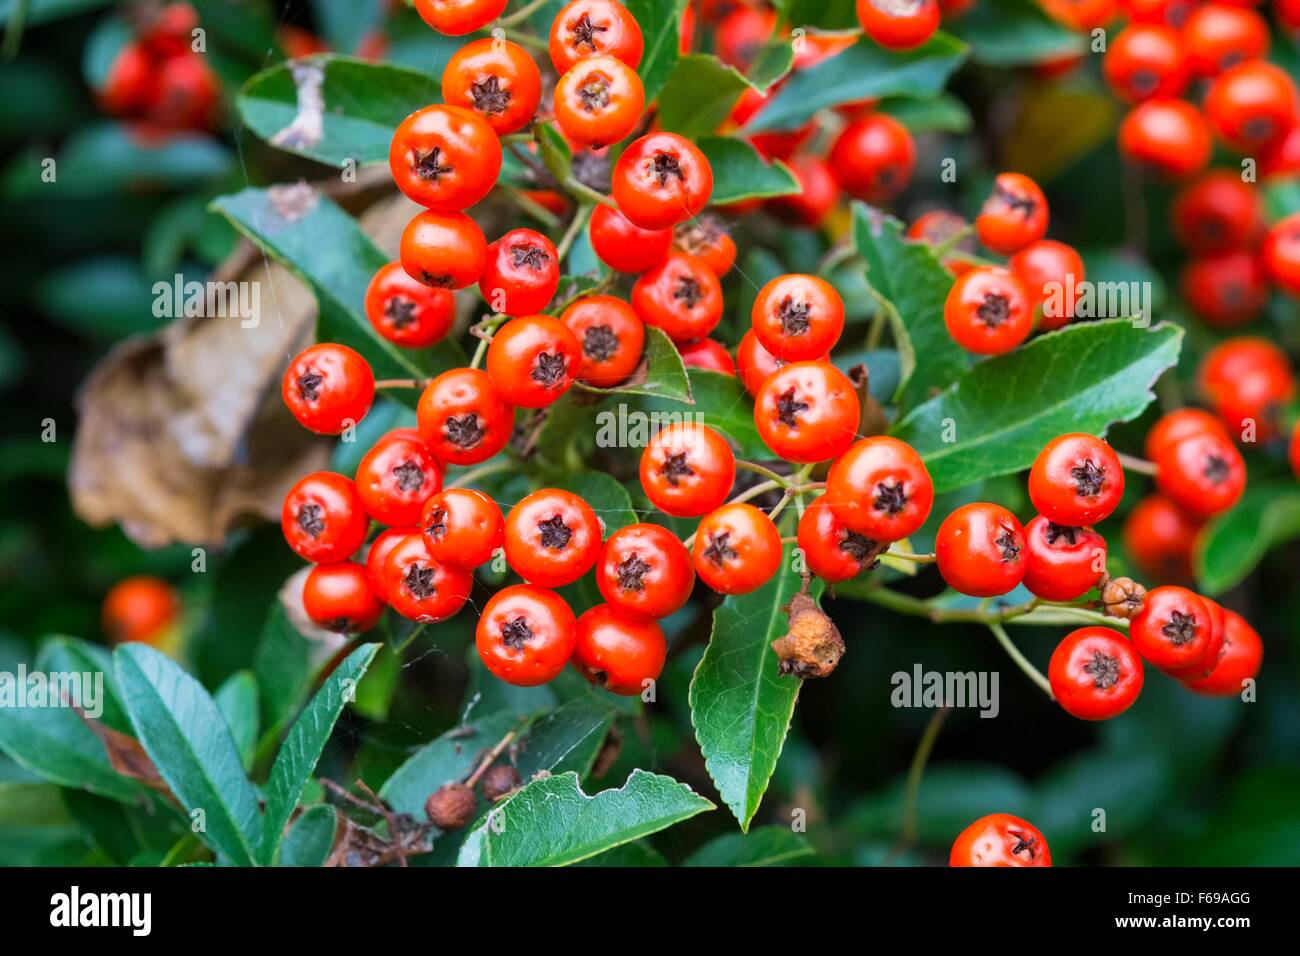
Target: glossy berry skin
x,y
798,317
445,158
328,387
645,571
1174,630
446,251
1062,562
533,360
496,80
681,296
1095,673
1051,272
737,549
1281,156
526,635
1205,664
1177,425
1014,215
397,476
420,588
1247,379
323,518
1219,35
1076,480
1281,253
1217,213
1226,289
625,247
1168,136
660,180
980,550
590,28
338,598
833,551
873,158
1000,839
880,488
1081,15
1203,474
599,101
407,312
1159,536
708,240
1251,103
521,274
755,363
988,311
618,653
462,417
707,353
455,18
139,608
611,336
807,412
462,526
552,537
378,552
898,26
1238,660
687,470
817,195
1147,60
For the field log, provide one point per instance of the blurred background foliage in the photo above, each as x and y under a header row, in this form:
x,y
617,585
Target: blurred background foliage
x,y
1183,779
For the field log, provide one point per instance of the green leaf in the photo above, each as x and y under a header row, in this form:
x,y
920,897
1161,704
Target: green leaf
x,y
944,113
551,822
303,746
865,70
914,286
740,706
282,667
70,655
608,498
43,11
721,402
333,108
660,22
310,837
1232,544
699,95
327,249
568,738
766,846
1006,33
664,371
1001,413
187,738
739,172
237,701
773,63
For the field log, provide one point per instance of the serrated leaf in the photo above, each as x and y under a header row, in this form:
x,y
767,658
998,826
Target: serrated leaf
x,y
551,822
699,95
662,371
237,701
912,286
660,22
766,846
325,246
865,70
739,172
1232,544
1006,33
740,706
333,109
187,739
1002,412
304,744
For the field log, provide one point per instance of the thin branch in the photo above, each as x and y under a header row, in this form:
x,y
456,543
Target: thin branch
x,y
1020,660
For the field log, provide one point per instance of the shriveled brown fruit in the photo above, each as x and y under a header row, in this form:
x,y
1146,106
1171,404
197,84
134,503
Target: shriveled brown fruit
x,y
451,806
1123,598
498,780
812,645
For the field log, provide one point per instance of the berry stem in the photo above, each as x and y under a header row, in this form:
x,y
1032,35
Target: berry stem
x,y
961,235
490,758
581,190
781,480
762,488
525,39
1139,465
482,471
402,383
520,15
575,227
910,556
1021,661
531,207
921,756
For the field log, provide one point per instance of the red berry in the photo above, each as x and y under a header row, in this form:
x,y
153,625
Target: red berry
x,y
1052,273
1247,381
645,571
807,412
420,588
522,273
599,101
834,552
462,527
1147,60
1159,537
1174,630
873,158
526,635
737,549
338,598
462,417
445,158
1014,215
1205,664
323,518
681,296
495,79
1095,673
687,470
1062,562
898,26
1217,213
1203,474
755,363
1177,425
328,387
1219,35
980,550
660,180
707,239
1282,253
552,537
1076,480
1000,840
611,336
446,251
397,476
533,360
139,608
880,488
590,28
1251,103
1169,137
988,311
406,311
817,195
798,317
456,18
623,655
377,556
707,353
625,247
1239,659
1081,15
1227,289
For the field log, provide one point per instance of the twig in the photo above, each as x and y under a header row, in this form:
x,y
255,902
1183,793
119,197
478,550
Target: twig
x,y
1139,465
1021,661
